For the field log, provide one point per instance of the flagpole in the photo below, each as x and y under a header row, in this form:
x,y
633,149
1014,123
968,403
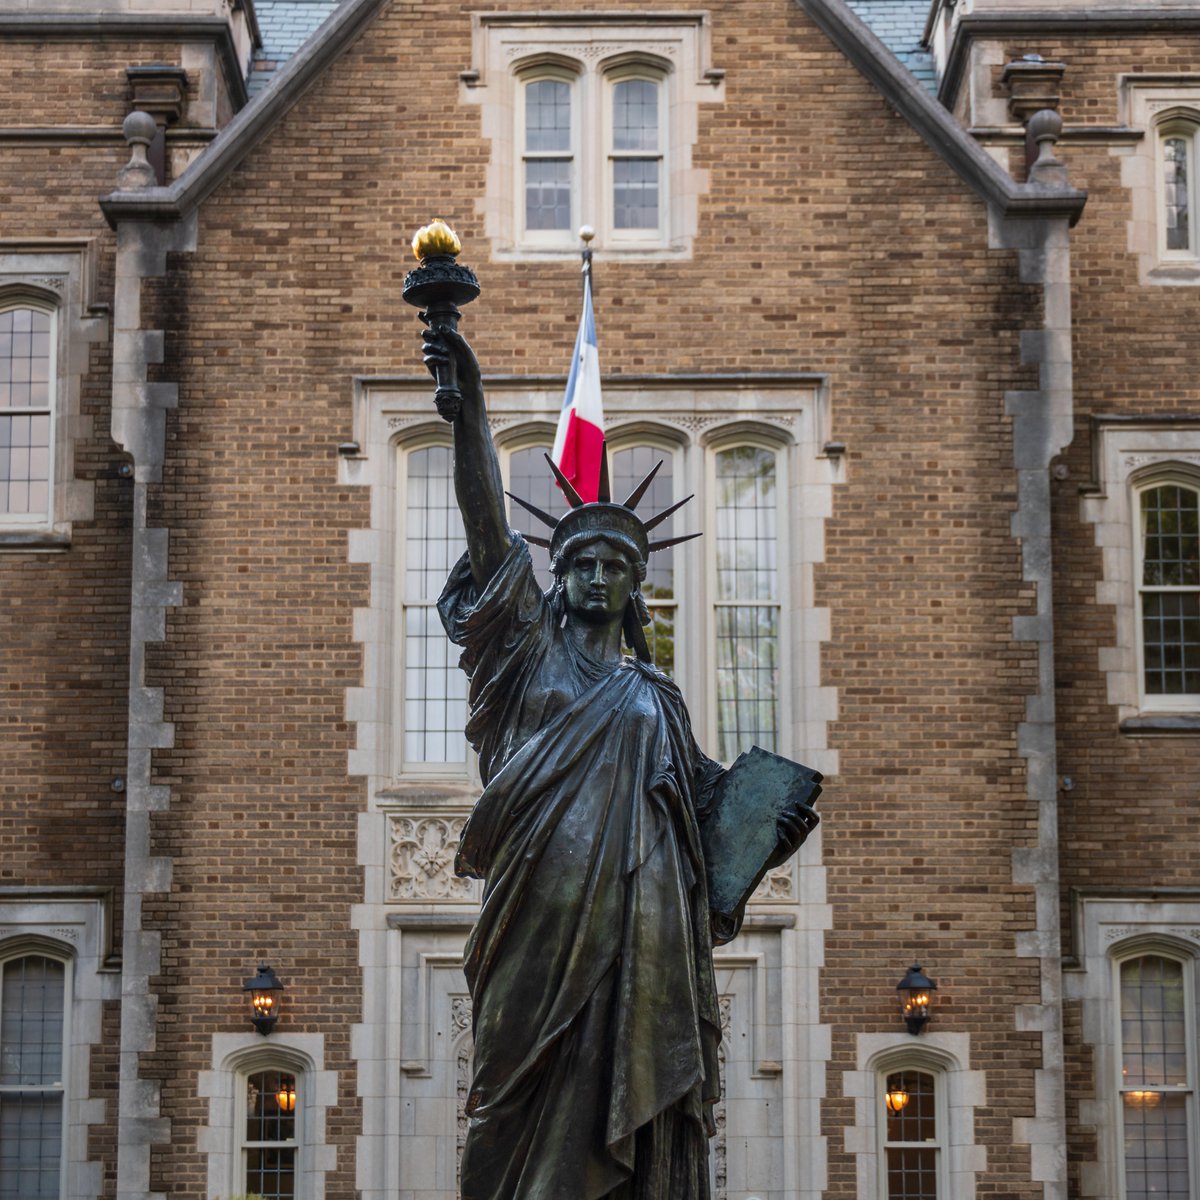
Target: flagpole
x,y
586,233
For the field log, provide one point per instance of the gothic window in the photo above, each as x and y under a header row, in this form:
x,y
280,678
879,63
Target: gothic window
x,y
635,166
1169,593
746,605
27,385
32,1041
271,1137
1156,1081
433,689
912,1135
1177,182
548,156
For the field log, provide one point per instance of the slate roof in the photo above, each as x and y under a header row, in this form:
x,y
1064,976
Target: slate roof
x,y
899,25
287,24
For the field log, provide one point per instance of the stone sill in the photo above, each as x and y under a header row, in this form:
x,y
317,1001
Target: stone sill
x,y
34,541
1162,725
1182,274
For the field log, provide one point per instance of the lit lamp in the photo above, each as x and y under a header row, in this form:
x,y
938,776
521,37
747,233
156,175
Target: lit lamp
x,y
286,1097
897,1099
266,999
916,998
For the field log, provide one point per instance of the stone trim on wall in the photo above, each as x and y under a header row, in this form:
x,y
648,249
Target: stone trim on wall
x,y
1042,427
139,410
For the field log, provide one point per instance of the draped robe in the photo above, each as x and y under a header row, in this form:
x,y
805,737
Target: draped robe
x,y
590,968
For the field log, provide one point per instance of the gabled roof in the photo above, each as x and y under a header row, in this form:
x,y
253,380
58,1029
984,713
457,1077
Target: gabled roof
x,y
900,26
835,17
285,26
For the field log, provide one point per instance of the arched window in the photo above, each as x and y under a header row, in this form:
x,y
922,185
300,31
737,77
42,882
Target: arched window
x,y
1169,592
1157,1087
747,598
271,1139
27,384
33,991
548,158
1177,187
636,177
433,695
913,1138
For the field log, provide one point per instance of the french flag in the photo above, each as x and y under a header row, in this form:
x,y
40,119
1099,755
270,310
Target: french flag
x,y
579,442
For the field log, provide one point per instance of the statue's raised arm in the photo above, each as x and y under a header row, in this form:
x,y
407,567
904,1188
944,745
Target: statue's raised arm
x,y
477,484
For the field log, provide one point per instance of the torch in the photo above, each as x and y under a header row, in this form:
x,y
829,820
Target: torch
x,y
437,287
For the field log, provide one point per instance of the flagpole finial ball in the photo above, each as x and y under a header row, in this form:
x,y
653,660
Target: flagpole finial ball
x,y
586,233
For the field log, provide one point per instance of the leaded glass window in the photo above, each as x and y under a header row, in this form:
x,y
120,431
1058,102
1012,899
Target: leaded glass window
x,y
1178,183
548,157
636,154
912,1143
629,467
26,391
1170,590
32,1014
747,607
529,477
435,690
273,1105
1156,1086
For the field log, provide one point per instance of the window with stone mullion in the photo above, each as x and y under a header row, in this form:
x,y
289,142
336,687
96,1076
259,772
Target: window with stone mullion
x,y
1170,590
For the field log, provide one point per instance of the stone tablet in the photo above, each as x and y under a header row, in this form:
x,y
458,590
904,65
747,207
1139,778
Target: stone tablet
x,y
740,832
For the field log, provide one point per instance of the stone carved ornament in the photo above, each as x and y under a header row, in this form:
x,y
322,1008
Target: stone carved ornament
x,y
422,860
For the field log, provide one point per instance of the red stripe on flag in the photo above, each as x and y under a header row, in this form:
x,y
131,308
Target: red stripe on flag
x,y
582,448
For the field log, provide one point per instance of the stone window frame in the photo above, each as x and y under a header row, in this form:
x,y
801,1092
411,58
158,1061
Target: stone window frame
x,y
1108,927
508,49
237,1056
961,1091
74,926
58,275
1155,105
1129,454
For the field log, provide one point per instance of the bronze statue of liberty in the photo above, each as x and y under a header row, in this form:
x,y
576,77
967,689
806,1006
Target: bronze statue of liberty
x,y
590,967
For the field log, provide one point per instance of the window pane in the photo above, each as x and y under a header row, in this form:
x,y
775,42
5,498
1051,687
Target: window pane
x,y
635,193
435,689
1171,537
629,467
31,1021
547,116
1171,643
30,1145
916,1120
529,477
1175,193
24,354
912,1173
746,531
1156,1147
1153,1023
635,115
547,193
747,678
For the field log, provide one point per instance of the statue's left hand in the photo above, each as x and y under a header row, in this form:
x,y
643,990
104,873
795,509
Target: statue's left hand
x,y
794,825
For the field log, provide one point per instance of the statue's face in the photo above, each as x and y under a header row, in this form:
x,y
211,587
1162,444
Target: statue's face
x,y
598,582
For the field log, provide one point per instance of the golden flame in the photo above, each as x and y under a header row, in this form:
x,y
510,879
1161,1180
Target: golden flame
x,y
435,238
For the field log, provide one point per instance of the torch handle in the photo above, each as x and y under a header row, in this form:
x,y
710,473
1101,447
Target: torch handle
x,y
447,399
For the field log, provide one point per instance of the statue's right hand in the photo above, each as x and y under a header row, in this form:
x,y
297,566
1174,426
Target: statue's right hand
x,y
441,345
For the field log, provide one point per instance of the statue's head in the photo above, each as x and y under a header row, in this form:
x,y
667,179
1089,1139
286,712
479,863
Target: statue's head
x,y
599,550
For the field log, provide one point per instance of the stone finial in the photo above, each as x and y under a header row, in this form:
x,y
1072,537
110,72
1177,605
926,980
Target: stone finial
x,y
139,129
1044,129
1033,84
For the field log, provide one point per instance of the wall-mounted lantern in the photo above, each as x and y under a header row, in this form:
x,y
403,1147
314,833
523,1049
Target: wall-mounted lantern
x,y
266,999
286,1096
896,1097
916,998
